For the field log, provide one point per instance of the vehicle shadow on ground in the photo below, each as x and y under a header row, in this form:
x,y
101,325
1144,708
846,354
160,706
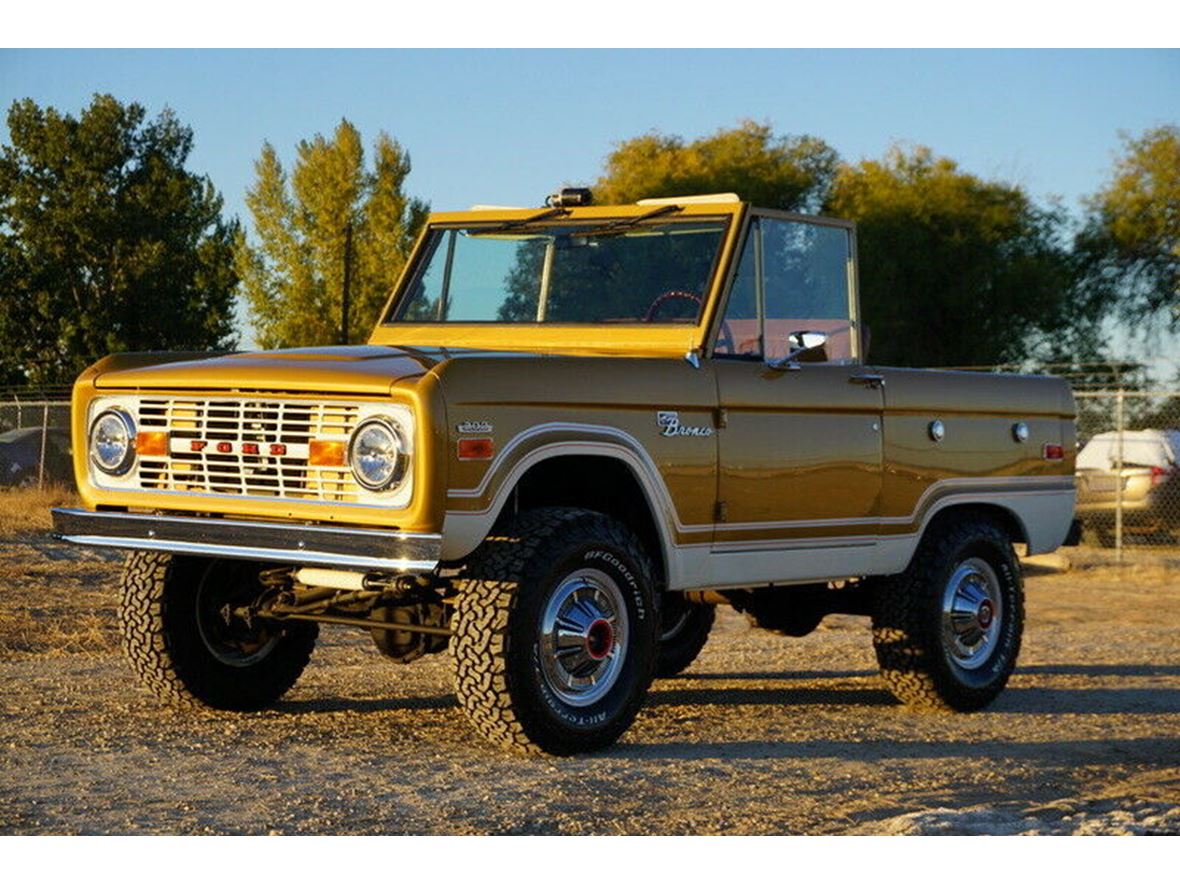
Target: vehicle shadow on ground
x,y
1151,701
1100,669
301,706
1149,750
1015,699
1031,700
787,695
785,674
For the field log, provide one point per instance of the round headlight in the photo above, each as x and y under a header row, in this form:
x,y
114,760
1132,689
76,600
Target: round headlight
x,y
112,442
377,455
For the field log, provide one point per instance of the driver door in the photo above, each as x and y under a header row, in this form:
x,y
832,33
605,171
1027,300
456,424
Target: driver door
x,y
800,451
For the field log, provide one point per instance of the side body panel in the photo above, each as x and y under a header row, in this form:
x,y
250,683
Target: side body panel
x,y
979,459
812,490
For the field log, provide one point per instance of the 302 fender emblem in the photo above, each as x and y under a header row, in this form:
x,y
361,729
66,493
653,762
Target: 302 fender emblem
x,y
474,427
669,424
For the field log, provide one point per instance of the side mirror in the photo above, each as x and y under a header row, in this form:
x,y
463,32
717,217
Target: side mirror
x,y
808,347
803,347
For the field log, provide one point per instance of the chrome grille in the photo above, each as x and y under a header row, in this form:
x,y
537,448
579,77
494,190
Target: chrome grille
x,y
264,447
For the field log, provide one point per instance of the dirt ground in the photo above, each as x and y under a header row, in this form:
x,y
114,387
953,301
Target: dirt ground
x,y
761,735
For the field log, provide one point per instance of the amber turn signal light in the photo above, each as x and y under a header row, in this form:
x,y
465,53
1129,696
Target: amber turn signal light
x,y
151,442
477,448
325,453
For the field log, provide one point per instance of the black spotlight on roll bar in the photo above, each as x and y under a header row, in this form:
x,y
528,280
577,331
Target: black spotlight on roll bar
x,y
569,196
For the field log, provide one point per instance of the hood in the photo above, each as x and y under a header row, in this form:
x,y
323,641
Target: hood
x,y
355,369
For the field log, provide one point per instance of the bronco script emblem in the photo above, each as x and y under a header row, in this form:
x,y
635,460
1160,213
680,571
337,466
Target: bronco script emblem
x,y
669,423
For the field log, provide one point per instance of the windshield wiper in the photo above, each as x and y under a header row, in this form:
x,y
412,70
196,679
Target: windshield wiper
x,y
622,224
611,227
544,215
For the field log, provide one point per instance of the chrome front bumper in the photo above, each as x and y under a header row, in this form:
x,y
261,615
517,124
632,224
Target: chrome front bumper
x,y
241,539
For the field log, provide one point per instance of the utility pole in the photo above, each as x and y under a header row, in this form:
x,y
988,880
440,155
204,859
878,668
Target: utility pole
x,y
44,438
346,294
1119,479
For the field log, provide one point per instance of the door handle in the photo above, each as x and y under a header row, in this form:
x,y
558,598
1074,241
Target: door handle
x,y
869,379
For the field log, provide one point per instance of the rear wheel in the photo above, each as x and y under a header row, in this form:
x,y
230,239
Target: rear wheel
x,y
947,631
684,630
185,649
555,632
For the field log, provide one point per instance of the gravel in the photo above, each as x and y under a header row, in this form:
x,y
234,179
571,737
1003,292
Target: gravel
x,y
762,735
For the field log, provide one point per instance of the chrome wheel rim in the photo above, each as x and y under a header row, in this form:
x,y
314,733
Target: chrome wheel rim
x,y
583,637
233,643
972,614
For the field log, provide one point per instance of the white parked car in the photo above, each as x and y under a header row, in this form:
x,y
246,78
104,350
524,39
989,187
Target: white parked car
x,y
1149,478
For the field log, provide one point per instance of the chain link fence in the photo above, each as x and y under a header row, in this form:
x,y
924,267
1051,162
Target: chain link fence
x,y
1128,470
35,447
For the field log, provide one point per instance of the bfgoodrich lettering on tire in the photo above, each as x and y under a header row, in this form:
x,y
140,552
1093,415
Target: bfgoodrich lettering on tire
x,y
947,630
555,632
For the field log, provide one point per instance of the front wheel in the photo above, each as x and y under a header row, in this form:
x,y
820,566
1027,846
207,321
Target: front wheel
x,y
187,652
555,632
947,630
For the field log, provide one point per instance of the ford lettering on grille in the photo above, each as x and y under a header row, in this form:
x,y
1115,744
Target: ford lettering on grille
x,y
247,447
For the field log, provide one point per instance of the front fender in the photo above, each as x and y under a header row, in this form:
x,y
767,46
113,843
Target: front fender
x,y
471,512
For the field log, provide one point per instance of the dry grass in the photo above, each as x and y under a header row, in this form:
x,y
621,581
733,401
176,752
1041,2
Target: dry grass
x,y
50,608
24,634
50,605
26,511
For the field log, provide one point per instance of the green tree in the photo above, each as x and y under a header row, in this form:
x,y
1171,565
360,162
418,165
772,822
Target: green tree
x,y
1129,249
107,242
955,270
332,211
779,172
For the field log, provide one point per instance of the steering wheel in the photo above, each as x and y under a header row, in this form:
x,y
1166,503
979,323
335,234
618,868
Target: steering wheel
x,y
670,295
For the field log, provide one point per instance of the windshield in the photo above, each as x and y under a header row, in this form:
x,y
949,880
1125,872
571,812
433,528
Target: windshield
x,y
600,271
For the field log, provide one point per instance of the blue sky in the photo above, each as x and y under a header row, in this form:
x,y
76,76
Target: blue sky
x,y
508,126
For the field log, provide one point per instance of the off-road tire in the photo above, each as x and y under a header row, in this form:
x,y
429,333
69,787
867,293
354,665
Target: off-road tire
x,y
503,591
678,650
158,619
907,619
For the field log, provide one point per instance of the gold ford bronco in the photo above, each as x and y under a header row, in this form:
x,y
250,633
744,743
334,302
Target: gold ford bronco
x,y
574,431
